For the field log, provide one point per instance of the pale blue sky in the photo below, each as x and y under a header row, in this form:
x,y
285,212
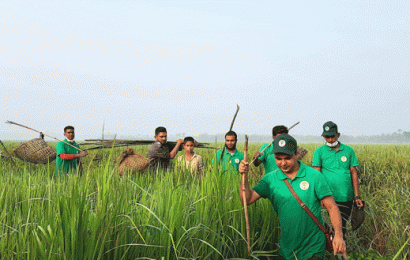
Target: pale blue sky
x,y
185,65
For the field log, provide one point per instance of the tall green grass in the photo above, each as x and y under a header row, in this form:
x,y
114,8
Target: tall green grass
x,y
99,215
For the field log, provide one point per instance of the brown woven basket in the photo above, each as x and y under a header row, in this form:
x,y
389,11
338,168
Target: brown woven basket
x,y
132,162
301,153
36,151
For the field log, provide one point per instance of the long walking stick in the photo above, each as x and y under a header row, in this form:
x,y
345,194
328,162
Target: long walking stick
x,y
230,129
245,204
13,123
271,143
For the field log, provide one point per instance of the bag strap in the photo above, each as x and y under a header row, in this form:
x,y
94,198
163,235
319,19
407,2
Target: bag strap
x,y
303,205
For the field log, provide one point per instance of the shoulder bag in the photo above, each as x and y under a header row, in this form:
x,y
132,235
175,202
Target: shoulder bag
x,y
327,230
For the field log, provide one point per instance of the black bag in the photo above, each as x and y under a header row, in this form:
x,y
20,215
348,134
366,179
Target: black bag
x,y
358,216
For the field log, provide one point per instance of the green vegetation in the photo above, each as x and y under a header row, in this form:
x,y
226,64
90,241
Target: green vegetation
x,y
100,215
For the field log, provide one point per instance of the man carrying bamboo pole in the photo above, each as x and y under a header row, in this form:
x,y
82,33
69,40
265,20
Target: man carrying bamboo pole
x,y
68,157
231,156
265,156
301,238
160,153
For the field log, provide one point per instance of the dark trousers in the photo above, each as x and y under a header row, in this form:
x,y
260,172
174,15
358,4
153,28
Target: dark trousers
x,y
345,209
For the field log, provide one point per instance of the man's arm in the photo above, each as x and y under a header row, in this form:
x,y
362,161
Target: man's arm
x,y
66,156
176,149
317,168
355,182
339,245
251,195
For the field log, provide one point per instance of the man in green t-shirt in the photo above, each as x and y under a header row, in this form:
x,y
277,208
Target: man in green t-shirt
x,y
68,157
300,237
338,163
267,158
231,157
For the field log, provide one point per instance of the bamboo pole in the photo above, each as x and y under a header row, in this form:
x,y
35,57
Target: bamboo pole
x,y
294,125
230,129
245,204
13,123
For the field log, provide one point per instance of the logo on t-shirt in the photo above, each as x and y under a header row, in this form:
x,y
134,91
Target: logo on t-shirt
x,y
304,185
237,160
344,158
282,143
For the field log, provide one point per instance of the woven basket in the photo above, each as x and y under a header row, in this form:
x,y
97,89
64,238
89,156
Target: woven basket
x,y
301,153
132,162
36,151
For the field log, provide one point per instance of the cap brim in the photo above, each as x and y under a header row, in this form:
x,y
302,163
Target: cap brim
x,y
328,133
284,151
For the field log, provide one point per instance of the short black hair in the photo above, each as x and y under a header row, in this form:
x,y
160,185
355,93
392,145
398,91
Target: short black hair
x,y
189,139
280,129
160,129
69,127
232,133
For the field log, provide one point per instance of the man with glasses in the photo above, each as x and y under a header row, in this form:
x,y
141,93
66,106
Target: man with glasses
x,y
338,163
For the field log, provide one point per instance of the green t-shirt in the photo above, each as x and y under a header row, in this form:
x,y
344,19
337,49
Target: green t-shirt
x,y
230,162
336,169
65,166
268,159
300,237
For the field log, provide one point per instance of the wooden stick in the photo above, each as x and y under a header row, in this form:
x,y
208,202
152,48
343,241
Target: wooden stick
x,y
8,152
254,159
245,204
10,122
230,129
294,125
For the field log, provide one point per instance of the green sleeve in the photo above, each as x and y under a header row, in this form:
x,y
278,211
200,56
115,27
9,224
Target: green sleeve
x,y
321,186
60,148
353,159
317,158
262,188
263,156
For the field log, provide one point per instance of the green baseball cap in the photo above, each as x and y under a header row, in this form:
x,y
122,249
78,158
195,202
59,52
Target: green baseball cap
x,y
284,143
329,128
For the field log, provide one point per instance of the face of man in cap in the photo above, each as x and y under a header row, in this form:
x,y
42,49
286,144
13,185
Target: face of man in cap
x,y
285,150
331,138
287,163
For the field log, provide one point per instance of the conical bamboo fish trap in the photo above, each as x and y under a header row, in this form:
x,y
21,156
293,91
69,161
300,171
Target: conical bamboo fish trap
x,y
36,151
132,162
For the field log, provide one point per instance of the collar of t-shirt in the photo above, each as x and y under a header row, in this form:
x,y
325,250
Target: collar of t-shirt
x,y
341,147
301,172
70,142
232,154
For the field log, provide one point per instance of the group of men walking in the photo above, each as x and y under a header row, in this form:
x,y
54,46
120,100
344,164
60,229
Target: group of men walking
x,y
331,182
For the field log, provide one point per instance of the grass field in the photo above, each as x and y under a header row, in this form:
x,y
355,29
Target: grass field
x,y
100,215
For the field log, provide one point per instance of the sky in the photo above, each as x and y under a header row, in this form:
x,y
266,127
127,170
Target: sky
x,y
126,67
